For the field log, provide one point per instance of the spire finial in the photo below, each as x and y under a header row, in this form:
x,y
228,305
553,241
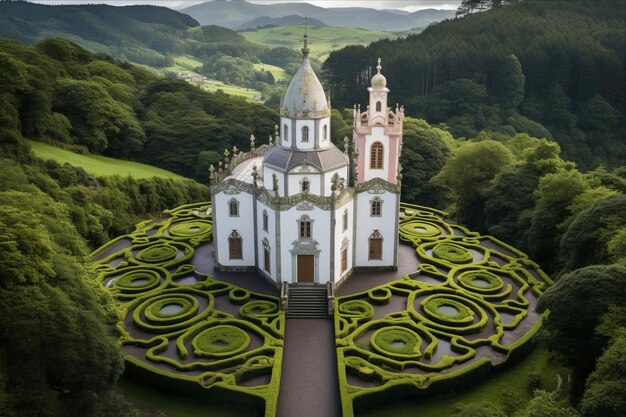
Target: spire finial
x,y
379,67
305,49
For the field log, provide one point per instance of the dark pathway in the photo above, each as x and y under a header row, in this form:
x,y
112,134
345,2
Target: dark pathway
x,y
309,385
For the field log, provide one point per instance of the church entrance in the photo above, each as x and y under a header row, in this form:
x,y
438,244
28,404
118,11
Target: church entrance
x,y
306,268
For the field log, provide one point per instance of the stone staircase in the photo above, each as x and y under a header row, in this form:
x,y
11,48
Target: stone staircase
x,y
307,302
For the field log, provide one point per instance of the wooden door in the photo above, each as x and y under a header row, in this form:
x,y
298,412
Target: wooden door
x,y
306,268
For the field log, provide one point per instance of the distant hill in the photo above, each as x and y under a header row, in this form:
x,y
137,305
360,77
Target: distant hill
x,y
267,21
322,40
233,14
142,34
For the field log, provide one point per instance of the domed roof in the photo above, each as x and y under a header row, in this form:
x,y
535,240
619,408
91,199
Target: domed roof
x,y
305,97
378,80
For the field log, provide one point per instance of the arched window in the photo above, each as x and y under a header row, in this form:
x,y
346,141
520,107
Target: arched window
x,y
379,106
345,220
376,207
305,227
286,132
305,134
265,220
266,256
233,208
306,185
234,246
325,132
377,153
376,246
344,259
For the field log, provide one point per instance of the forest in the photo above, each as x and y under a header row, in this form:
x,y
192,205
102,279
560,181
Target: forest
x,y
517,132
151,36
540,68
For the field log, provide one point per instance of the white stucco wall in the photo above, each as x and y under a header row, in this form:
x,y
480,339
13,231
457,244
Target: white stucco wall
x,y
366,224
224,225
320,232
269,234
341,235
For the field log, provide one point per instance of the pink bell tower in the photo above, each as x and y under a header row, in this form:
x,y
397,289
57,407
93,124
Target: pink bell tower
x,y
377,134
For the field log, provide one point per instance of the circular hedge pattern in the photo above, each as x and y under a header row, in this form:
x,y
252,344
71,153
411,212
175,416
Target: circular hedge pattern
x,y
452,253
468,307
396,342
138,280
157,253
221,341
191,229
481,281
173,325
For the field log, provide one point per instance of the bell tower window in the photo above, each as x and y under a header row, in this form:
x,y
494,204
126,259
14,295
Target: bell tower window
x,y
325,132
379,106
377,153
286,132
265,221
305,134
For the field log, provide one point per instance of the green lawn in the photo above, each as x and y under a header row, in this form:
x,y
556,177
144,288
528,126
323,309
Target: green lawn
x,y
277,72
213,85
322,40
100,165
187,61
511,379
149,399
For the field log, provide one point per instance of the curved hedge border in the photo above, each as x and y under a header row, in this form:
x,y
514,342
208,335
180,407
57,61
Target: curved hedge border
x,y
174,335
466,310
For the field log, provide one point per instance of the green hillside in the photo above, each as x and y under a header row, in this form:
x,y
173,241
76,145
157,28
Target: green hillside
x,y
322,40
99,165
541,68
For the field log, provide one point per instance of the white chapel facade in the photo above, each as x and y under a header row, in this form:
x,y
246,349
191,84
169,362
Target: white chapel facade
x,y
300,210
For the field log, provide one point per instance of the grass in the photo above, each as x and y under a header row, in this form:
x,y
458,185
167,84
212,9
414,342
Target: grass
x,y
277,72
100,165
249,94
322,40
154,402
512,379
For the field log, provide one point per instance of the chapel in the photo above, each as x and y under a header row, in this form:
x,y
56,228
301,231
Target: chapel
x,y
298,209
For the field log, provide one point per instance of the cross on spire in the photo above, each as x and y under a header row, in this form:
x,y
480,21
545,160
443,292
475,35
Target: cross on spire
x,y
305,49
379,67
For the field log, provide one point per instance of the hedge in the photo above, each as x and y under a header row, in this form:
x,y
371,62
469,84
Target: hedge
x,y
464,315
174,335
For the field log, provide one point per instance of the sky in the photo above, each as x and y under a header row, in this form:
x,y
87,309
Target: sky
x,y
408,5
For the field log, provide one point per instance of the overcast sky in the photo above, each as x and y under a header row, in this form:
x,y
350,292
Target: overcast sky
x,y
410,5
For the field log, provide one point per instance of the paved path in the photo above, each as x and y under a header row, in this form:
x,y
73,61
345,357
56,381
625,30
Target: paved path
x,y
309,385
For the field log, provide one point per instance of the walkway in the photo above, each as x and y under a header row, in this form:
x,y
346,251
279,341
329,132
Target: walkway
x,y
309,386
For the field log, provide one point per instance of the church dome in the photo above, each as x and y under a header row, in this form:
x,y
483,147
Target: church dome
x,y
378,80
305,97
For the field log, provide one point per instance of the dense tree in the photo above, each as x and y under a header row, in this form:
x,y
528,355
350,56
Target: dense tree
x,y
604,395
577,303
542,66
469,172
545,404
424,152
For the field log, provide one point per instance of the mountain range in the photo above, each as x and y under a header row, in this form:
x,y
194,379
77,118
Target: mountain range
x,y
237,13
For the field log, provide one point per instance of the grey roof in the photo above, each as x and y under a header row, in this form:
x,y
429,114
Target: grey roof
x,y
323,159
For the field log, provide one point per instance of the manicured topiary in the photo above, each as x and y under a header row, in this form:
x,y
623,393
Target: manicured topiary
x,y
175,334
221,340
452,253
462,313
